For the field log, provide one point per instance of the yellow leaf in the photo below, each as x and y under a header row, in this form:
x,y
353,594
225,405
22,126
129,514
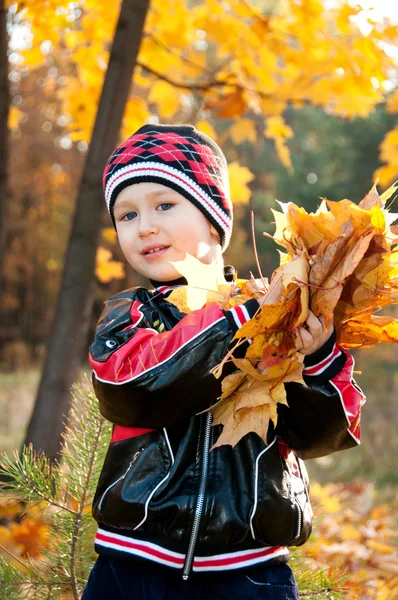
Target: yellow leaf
x,y
204,277
206,283
166,97
136,114
379,547
276,128
242,130
349,532
33,57
109,235
239,178
14,117
107,269
207,128
392,104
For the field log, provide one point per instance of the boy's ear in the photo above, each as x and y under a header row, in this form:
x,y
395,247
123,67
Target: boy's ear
x,y
214,232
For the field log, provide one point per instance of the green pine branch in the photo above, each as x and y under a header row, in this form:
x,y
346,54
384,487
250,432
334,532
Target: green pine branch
x,y
66,490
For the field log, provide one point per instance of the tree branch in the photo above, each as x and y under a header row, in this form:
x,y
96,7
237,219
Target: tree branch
x,y
185,86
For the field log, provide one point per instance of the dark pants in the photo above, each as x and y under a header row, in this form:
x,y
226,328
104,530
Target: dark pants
x,y
131,580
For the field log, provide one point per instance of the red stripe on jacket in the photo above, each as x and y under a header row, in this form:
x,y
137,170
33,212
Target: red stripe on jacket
x,y
351,397
147,348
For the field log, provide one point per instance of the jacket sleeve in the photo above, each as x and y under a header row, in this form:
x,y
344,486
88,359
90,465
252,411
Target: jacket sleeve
x,y
324,416
146,377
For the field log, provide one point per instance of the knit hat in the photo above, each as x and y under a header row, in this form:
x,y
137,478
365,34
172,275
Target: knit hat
x,y
181,158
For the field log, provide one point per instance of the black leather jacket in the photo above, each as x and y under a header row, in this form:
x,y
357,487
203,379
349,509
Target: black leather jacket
x,y
160,481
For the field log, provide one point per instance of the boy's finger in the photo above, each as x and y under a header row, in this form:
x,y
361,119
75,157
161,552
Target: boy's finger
x,y
315,326
306,338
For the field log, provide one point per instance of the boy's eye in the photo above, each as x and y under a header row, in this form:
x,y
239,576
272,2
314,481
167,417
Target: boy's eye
x,y
129,216
165,206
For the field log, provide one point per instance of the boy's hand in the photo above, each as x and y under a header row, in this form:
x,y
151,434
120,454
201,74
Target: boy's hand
x,y
314,335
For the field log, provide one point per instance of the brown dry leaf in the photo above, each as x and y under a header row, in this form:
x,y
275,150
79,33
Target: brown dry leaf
x,y
371,199
230,383
238,424
324,301
253,288
323,264
252,394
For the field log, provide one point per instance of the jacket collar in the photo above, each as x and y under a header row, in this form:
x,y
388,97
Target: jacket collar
x,y
165,287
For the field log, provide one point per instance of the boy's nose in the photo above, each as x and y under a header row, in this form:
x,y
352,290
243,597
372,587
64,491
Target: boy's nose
x,y
146,229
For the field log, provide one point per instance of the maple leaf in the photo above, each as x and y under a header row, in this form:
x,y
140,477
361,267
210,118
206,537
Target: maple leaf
x,y
239,177
238,424
242,130
206,283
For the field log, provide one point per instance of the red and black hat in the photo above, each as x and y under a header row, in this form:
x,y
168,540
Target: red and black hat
x,y
179,157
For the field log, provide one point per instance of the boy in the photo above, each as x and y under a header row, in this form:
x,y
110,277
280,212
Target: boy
x,y
175,519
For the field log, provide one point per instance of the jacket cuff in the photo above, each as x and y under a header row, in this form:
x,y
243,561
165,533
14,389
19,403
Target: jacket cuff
x,y
325,363
239,315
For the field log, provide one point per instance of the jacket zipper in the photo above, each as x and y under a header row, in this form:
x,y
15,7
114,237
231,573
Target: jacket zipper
x,y
118,480
299,512
299,519
200,500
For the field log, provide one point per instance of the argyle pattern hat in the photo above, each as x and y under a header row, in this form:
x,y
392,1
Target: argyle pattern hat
x,y
179,157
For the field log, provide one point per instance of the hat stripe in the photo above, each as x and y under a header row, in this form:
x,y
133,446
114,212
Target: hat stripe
x,y
171,174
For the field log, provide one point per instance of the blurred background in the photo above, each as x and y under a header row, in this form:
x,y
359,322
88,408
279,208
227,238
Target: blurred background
x,y
302,96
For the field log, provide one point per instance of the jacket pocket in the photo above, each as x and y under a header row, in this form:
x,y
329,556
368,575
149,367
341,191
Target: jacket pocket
x,y
280,513
133,471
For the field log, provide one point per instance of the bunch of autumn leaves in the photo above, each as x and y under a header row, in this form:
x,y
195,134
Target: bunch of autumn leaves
x,y
338,262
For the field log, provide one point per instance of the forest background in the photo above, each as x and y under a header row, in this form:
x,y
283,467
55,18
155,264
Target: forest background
x,y
302,95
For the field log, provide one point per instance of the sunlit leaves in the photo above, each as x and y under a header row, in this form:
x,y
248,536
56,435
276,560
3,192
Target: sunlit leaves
x,y
166,97
389,155
14,116
107,269
239,178
236,60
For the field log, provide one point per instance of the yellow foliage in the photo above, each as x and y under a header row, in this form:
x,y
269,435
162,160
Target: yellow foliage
x,y
392,104
207,128
136,114
278,130
389,155
107,269
355,536
242,130
14,116
166,97
109,235
239,177
239,62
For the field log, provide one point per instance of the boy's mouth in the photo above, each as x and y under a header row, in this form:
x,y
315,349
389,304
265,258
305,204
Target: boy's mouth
x,y
154,251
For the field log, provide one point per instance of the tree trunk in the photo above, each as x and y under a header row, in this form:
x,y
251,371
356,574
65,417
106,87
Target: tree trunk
x,y
4,137
70,329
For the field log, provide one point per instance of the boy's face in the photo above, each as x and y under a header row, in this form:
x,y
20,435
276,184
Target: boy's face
x,y
157,226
